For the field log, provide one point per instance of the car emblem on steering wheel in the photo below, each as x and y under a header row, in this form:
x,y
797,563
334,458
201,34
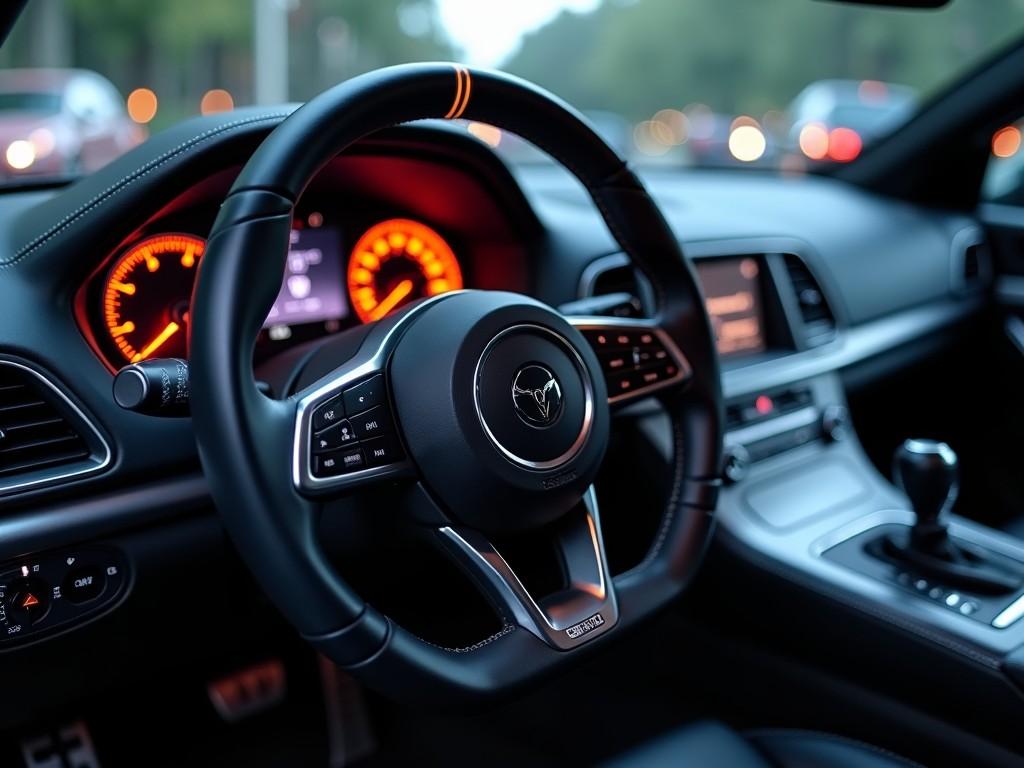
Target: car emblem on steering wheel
x,y
537,395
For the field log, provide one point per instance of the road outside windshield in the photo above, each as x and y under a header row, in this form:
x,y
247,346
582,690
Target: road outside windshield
x,y
769,84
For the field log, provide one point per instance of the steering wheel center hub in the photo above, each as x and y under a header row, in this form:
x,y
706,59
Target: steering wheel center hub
x,y
534,396
503,407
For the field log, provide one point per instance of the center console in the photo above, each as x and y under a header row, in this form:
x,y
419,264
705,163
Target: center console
x,y
889,569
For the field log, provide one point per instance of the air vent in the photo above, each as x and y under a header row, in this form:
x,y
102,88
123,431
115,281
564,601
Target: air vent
x,y
819,322
972,263
42,436
614,276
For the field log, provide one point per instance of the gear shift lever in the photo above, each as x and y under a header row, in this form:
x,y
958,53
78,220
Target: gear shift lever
x,y
926,470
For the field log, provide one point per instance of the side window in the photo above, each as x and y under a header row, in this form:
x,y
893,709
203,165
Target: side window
x,y
1004,177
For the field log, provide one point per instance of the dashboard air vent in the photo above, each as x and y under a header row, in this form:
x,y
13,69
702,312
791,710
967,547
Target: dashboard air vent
x,y
44,437
615,278
819,322
972,263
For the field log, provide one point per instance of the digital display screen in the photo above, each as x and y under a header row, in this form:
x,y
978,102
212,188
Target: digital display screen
x,y
732,290
313,286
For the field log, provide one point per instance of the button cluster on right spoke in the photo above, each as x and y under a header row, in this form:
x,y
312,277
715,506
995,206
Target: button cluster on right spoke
x,y
632,359
354,430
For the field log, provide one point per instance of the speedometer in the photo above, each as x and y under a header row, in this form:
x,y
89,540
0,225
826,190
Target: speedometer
x,y
398,261
146,296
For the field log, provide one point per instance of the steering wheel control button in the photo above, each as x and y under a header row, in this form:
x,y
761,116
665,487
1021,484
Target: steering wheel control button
x,y
83,584
381,450
632,360
364,396
339,435
376,421
339,462
327,414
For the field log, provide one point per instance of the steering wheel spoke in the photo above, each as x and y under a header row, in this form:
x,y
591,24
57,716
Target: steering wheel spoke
x,y
638,358
584,608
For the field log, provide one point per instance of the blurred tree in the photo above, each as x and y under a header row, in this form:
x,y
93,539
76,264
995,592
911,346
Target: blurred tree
x,y
748,56
182,48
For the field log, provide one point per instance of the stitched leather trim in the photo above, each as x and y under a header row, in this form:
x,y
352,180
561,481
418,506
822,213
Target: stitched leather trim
x,y
126,181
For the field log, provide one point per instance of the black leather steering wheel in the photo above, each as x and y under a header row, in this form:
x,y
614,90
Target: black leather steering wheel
x,y
494,403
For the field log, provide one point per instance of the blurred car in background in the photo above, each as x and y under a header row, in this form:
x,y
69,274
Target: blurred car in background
x,y
834,119
60,121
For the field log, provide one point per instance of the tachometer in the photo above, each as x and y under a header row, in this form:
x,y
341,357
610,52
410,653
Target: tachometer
x,y
398,261
146,296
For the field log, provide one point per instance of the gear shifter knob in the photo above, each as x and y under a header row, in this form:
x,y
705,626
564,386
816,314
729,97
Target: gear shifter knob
x,y
926,470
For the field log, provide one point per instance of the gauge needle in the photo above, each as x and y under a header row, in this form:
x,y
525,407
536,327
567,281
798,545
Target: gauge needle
x,y
390,301
171,329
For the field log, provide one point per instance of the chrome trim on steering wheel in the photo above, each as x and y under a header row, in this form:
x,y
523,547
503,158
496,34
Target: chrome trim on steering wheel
x,y
585,609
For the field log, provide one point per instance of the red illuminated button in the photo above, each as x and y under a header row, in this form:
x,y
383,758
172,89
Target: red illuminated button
x,y
764,405
29,601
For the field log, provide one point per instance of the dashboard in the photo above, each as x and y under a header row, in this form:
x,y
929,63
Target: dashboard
x,y
331,281
803,278
348,262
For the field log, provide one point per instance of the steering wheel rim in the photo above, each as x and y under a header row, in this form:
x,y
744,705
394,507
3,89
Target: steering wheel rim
x,y
240,431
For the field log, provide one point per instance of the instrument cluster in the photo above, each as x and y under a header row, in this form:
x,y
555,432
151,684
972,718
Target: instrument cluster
x,y
136,306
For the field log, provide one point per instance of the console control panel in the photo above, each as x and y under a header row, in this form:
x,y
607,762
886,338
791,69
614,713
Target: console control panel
x,y
354,430
51,592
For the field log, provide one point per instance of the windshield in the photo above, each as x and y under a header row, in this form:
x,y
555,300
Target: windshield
x,y
741,83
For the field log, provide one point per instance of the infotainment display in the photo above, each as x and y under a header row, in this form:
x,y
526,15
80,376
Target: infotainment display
x,y
312,290
732,289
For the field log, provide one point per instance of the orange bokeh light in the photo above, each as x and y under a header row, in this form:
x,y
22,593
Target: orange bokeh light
x,y
142,105
1006,141
216,100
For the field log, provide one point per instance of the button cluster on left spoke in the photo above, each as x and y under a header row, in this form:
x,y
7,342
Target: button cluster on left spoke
x,y
354,430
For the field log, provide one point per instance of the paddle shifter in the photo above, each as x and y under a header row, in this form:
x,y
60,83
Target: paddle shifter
x,y
926,470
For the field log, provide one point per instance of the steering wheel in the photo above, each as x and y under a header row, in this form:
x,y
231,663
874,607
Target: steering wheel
x,y
493,404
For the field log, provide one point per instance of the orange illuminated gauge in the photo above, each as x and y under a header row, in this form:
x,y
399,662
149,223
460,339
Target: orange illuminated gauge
x,y
147,293
398,261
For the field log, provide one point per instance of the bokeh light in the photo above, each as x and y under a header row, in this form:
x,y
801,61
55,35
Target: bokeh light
x,y
488,134
1006,141
216,100
746,141
814,141
142,105
673,126
844,144
20,154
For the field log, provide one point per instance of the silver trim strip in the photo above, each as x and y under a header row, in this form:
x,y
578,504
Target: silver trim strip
x,y
774,426
637,324
850,346
1009,614
48,477
591,592
588,406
